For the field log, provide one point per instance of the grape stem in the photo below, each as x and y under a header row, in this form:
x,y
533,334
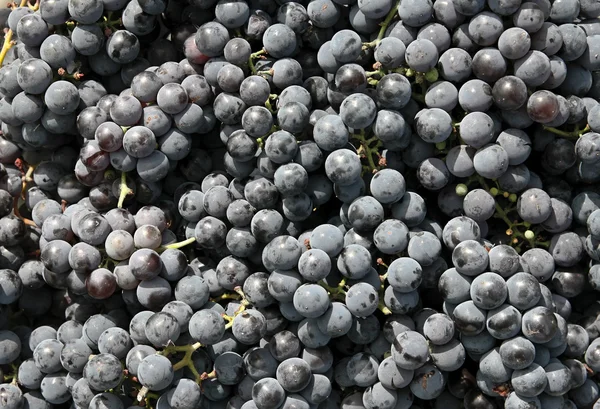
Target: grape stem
x,y
142,393
268,104
14,376
177,245
243,304
254,56
367,151
382,263
379,73
569,135
26,179
385,310
124,190
76,76
384,25
25,220
8,42
226,296
184,362
513,227
337,293
109,25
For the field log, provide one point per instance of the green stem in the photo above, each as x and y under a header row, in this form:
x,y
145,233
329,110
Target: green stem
x,y
124,190
384,25
226,296
336,292
372,164
268,106
186,361
367,150
243,304
177,245
379,73
381,307
253,57
573,135
513,228
372,139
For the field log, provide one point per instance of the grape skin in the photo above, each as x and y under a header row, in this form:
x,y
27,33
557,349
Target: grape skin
x,y
296,189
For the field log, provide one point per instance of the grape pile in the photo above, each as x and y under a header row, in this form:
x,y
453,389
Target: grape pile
x,y
321,204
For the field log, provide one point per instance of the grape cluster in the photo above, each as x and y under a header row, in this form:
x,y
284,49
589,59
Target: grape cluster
x,y
321,204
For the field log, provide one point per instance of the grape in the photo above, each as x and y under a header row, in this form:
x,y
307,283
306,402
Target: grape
x,y
491,161
469,318
529,382
434,125
29,375
284,345
103,372
410,209
74,355
11,395
517,353
393,91
504,322
162,328
10,346
155,372
409,350
311,300
46,356
304,171
267,393
439,329
293,374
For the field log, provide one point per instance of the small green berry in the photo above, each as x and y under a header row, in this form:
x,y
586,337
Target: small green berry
x,y
432,75
461,189
512,197
529,235
493,191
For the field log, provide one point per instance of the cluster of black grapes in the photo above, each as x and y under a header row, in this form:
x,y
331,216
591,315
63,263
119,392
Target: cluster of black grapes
x,y
321,204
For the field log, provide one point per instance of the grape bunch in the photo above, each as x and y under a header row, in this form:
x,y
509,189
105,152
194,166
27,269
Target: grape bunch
x,y
312,204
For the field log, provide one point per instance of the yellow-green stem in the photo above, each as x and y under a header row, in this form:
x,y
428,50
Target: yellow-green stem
x,y
186,361
177,245
124,190
565,134
226,296
254,56
384,25
385,310
513,228
367,150
8,43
